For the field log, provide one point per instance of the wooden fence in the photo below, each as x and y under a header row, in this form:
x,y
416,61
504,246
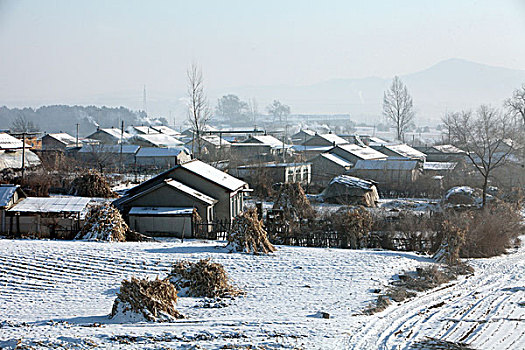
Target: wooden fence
x,y
216,230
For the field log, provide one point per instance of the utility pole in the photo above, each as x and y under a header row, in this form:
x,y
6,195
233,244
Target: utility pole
x,y
23,153
77,133
121,139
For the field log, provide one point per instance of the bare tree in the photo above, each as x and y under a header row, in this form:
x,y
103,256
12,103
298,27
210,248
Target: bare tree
x,y
398,107
22,124
278,110
199,112
516,104
486,136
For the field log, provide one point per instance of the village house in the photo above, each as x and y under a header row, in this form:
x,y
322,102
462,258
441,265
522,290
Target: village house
x,y
151,211
276,172
324,140
155,140
443,153
301,136
110,136
354,153
198,178
12,150
260,148
59,142
9,196
161,158
141,130
400,151
163,129
326,166
108,155
390,173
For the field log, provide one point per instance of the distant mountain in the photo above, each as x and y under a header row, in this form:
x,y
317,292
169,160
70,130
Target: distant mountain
x,y
449,85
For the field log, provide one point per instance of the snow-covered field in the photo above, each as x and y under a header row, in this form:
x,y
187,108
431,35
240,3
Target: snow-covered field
x,y
57,294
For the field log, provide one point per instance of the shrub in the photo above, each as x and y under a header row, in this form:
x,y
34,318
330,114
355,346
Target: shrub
x,y
202,279
353,224
144,299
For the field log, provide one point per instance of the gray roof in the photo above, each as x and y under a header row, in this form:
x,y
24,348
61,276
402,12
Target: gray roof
x,y
383,164
366,153
351,181
191,191
161,211
63,137
158,139
126,149
405,150
161,152
6,193
52,205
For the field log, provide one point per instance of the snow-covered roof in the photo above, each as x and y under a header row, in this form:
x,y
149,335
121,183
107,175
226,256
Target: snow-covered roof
x,y
6,193
366,153
376,141
464,190
214,175
272,165
13,159
114,132
171,211
9,142
161,152
52,205
336,159
126,149
166,130
332,138
385,164
448,149
159,140
439,165
352,181
303,131
191,191
405,150
64,138
265,139
302,148
143,130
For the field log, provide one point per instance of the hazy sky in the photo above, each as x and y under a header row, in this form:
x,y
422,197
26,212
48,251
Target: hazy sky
x,y
67,51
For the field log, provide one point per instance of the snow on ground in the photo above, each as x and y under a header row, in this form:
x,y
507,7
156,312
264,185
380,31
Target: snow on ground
x,y
59,293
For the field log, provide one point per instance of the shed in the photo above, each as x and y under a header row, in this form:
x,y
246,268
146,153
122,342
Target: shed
x,y
53,217
9,196
162,221
344,189
328,165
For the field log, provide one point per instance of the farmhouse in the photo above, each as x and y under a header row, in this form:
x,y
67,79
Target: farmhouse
x,y
153,213
443,153
155,140
154,157
301,136
401,151
276,172
396,173
58,142
320,140
326,166
354,153
199,177
110,136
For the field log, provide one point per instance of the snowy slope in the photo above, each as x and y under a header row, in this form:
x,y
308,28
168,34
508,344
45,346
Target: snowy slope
x,y
58,294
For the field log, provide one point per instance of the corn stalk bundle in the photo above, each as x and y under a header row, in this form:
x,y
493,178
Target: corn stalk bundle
x,y
152,300
104,223
91,184
248,234
202,279
293,201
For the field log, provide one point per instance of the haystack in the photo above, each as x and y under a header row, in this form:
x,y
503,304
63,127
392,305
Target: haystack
x,y
248,234
104,223
145,300
202,279
91,184
293,201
